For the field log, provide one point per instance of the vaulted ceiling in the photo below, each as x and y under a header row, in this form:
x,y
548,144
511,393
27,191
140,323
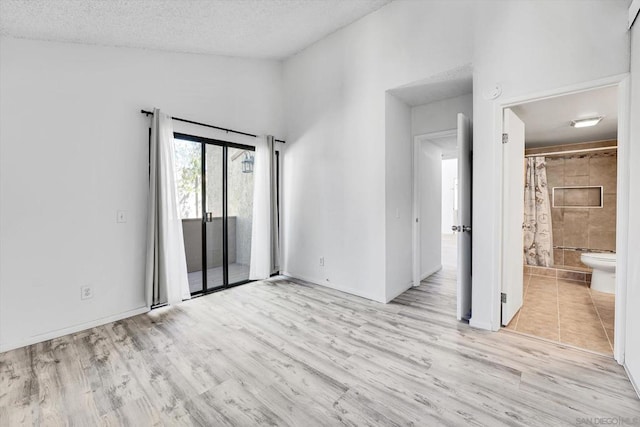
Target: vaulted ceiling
x,y
273,29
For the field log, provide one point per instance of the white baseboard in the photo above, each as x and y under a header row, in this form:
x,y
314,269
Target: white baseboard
x,y
635,385
316,281
431,271
480,325
72,329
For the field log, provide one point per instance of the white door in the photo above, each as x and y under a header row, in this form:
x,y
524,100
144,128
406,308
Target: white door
x,y
464,218
417,247
512,215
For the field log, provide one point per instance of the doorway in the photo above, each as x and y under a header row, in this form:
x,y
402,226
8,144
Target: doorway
x,y
449,216
442,198
215,198
564,202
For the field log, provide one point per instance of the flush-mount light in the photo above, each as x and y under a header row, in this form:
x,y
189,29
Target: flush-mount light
x,y
583,123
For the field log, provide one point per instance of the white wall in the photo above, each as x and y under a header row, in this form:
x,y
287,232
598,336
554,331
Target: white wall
x,y
334,109
430,209
440,115
399,210
334,180
632,354
528,46
449,175
74,150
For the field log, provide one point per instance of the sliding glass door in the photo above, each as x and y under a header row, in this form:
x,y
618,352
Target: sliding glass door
x,y
213,224
215,193
240,212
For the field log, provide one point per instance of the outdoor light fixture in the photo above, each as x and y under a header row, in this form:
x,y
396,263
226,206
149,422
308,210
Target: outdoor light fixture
x,y
583,123
247,163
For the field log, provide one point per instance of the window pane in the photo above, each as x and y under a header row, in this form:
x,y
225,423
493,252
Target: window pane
x,y
240,210
188,174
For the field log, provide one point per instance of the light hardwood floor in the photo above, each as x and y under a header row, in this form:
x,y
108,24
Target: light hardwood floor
x,y
281,353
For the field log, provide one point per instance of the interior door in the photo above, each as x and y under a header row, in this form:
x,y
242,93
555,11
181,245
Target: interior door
x,y
464,218
512,214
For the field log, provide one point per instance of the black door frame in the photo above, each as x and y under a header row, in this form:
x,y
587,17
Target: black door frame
x,y
225,217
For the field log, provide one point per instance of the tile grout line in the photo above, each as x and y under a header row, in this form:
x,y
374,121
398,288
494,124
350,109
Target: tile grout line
x,y
600,318
526,288
558,307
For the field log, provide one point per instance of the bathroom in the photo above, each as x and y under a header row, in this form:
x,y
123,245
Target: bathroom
x,y
569,226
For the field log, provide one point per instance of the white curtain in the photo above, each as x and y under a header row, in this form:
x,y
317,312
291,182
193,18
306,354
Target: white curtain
x,y
264,233
537,230
166,272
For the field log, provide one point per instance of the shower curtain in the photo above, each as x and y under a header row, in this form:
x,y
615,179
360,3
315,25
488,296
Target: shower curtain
x,y
538,239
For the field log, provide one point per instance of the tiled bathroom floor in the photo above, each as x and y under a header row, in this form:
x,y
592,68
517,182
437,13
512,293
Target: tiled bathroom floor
x,y
566,311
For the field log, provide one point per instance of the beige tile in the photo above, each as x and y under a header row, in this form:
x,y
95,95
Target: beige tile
x,y
557,216
572,259
599,344
572,275
557,197
555,172
574,228
573,285
605,304
575,181
544,326
543,271
610,335
537,280
558,233
603,171
602,238
514,321
558,255
595,197
576,166
565,311
602,225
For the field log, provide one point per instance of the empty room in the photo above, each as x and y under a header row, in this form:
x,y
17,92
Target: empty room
x,y
319,212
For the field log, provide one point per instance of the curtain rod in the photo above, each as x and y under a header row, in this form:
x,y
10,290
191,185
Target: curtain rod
x,y
572,151
148,113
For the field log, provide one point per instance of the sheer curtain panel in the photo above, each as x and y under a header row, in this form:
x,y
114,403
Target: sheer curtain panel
x,y
265,246
166,267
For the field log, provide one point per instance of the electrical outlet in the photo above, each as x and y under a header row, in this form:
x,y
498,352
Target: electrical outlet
x,y
321,261
121,216
86,292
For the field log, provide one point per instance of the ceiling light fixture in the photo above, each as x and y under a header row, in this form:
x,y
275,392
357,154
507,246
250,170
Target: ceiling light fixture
x,y
583,123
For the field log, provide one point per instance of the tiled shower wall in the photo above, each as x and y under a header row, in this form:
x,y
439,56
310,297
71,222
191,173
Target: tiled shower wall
x,y
576,229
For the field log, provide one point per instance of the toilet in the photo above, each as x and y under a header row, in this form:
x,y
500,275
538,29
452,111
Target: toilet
x,y
604,270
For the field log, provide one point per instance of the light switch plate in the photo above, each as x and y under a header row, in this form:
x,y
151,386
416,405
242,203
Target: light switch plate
x,y
121,216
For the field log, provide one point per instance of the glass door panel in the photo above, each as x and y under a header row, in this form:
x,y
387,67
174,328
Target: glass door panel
x,y
188,170
239,211
214,224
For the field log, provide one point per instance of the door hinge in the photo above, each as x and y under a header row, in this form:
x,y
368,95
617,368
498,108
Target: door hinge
x,y
503,298
505,138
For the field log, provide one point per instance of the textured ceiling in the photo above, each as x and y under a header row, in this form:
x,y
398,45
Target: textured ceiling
x,y
548,122
272,29
449,84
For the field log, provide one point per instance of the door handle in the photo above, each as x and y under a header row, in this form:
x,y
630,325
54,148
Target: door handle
x,y
209,217
456,228
466,228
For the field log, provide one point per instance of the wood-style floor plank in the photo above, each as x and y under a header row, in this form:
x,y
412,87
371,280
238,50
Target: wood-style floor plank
x,y
284,352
